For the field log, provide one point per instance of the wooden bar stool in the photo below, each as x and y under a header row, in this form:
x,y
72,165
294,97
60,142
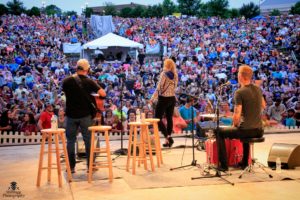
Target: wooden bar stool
x,y
58,134
158,153
106,149
143,143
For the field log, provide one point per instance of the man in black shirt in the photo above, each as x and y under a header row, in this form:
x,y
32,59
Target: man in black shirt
x,y
249,104
78,108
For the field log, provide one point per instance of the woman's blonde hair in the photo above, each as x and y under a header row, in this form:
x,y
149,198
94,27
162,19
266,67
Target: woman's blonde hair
x,y
169,65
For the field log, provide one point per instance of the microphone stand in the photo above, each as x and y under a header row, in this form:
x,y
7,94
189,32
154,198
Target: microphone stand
x,y
121,151
194,162
217,131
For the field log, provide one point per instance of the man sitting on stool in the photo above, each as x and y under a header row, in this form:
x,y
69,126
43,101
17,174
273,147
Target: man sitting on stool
x,y
249,104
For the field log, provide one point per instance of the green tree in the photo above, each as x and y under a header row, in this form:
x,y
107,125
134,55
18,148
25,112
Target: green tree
x,y
34,11
189,7
148,12
168,7
15,7
203,11
218,7
110,9
138,11
125,12
88,12
295,10
3,9
233,13
157,10
275,12
70,13
249,10
52,10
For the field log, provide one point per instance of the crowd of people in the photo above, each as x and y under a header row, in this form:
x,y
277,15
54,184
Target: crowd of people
x,y
207,53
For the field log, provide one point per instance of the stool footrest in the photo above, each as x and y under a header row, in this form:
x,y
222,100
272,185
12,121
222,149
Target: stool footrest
x,y
53,151
99,162
100,150
48,168
102,166
142,159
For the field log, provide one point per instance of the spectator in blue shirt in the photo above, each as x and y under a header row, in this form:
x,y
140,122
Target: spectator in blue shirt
x,y
187,112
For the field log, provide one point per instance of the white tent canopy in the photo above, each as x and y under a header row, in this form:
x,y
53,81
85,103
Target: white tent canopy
x,y
111,40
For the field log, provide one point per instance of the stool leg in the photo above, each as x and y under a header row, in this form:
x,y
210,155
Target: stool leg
x,y
143,154
38,182
134,150
140,155
158,153
58,160
251,153
63,139
91,163
49,155
108,157
149,148
157,145
129,148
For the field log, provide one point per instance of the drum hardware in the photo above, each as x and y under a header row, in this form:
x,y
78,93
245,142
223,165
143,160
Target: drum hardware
x,y
217,170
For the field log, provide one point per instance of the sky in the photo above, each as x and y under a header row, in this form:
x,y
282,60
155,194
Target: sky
x,y
76,5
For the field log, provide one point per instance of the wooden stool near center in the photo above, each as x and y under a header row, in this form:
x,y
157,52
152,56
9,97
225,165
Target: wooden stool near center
x,y
158,153
106,150
143,142
58,134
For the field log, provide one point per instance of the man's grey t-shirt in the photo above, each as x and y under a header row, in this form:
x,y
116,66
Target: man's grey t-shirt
x,y
250,97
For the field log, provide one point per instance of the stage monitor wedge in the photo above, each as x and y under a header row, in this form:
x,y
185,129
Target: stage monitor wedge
x,y
289,155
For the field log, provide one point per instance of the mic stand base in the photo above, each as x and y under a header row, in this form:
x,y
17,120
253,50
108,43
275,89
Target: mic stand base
x,y
218,174
194,163
120,152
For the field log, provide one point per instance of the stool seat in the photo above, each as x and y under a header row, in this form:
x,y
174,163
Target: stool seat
x,y
99,128
139,123
53,131
151,120
253,140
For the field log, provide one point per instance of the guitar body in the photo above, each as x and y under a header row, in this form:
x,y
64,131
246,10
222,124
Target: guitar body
x,y
100,103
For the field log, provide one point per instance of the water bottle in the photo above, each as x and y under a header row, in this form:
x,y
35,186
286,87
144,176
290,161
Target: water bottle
x,y
54,124
278,165
143,117
138,115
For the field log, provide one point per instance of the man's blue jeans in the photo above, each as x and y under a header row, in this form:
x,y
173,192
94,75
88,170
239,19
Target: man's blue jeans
x,y
71,132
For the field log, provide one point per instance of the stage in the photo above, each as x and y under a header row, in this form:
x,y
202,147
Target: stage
x,y
19,164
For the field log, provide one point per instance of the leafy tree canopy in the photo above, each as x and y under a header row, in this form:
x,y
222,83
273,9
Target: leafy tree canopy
x,y
16,7
249,10
34,11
